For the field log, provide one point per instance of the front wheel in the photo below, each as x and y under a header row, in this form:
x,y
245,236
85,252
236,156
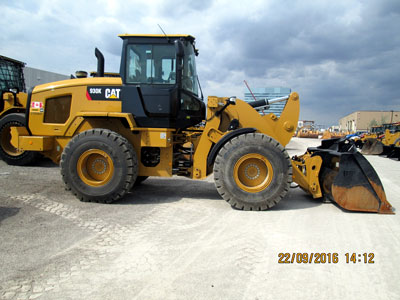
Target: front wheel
x,y
99,165
252,172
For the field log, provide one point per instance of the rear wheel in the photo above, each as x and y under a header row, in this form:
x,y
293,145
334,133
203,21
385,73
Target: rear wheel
x,y
99,165
8,152
252,172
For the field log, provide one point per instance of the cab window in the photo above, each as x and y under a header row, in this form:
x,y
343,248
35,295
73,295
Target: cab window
x,y
151,64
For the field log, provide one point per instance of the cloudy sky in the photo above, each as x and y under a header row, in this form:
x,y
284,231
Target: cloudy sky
x,y
340,56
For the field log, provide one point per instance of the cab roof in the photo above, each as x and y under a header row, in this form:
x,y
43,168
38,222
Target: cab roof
x,y
156,35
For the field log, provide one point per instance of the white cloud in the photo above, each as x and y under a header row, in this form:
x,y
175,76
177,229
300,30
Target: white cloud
x,y
340,56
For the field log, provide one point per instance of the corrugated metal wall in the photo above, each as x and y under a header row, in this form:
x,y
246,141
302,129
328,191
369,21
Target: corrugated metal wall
x,y
35,77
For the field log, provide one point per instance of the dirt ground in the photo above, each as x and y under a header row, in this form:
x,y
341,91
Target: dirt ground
x,y
177,239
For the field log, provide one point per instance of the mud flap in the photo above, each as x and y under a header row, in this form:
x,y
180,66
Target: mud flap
x,y
357,186
372,147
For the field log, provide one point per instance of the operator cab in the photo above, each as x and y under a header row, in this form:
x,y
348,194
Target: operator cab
x,y
160,83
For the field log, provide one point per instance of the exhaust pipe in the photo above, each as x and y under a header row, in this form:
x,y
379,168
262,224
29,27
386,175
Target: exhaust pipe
x,y
100,63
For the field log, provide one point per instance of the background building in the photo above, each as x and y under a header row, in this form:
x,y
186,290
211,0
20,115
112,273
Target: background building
x,y
35,76
269,93
363,120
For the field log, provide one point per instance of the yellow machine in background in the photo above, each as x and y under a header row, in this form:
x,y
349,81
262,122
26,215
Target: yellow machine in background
x,y
308,130
308,133
12,110
392,135
110,133
384,139
333,135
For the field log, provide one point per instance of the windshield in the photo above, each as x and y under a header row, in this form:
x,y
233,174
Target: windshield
x,y
151,64
189,75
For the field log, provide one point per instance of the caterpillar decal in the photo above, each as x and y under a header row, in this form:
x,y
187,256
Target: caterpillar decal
x,y
100,93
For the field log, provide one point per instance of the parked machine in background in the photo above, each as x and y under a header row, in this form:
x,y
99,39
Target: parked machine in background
x,y
12,110
307,130
384,139
110,133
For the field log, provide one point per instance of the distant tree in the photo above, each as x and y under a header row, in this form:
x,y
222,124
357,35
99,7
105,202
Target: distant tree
x,y
372,123
383,120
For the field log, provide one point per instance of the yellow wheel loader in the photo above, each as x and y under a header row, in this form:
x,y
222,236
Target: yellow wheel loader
x,y
108,134
384,139
12,108
391,141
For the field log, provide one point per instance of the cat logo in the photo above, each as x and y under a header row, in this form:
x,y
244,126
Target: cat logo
x,y
112,93
103,93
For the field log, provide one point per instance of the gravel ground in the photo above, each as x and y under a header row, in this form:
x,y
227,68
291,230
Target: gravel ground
x,y
177,239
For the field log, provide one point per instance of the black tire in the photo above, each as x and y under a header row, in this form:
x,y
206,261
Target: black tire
x,y
111,156
140,179
260,162
7,152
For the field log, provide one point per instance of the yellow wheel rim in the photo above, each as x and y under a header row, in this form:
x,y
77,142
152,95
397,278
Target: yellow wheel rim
x,y
253,172
6,143
95,167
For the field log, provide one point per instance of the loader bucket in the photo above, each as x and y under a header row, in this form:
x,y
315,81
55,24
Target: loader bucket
x,y
372,147
356,185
